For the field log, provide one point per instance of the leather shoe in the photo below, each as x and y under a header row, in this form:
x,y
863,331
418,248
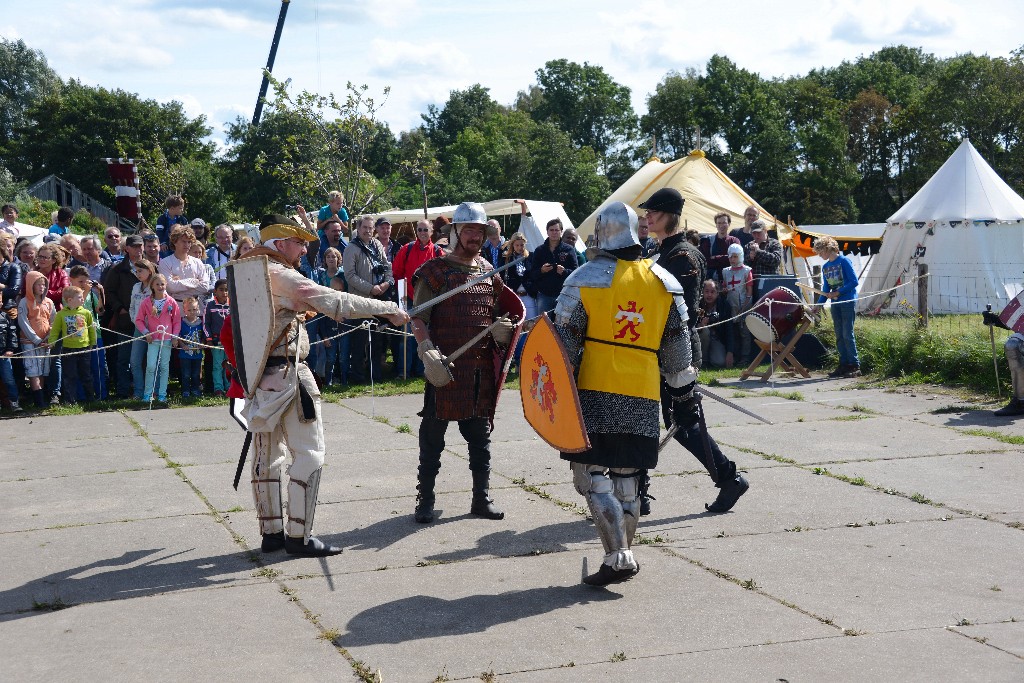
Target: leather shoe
x,y
606,575
314,547
424,510
730,493
1014,407
272,542
484,507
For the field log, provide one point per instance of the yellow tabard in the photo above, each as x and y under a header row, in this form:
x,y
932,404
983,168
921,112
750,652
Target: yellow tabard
x,y
626,322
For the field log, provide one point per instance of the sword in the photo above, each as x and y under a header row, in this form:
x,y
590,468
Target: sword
x,y
705,392
463,287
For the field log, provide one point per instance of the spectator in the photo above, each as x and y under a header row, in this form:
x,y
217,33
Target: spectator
x,y
199,253
174,209
159,318
716,247
517,279
219,254
407,261
213,323
36,314
368,274
10,217
442,227
118,284
550,265
571,239
50,260
146,271
764,255
839,282
151,247
244,246
648,245
493,244
715,342
314,326
331,237
73,247
190,354
114,251
692,236
395,341
334,353
186,275
745,234
92,301
62,223
95,263
738,286
25,257
11,277
334,209
9,347
74,326
201,231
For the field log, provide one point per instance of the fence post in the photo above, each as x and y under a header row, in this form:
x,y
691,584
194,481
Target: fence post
x,y
922,294
816,278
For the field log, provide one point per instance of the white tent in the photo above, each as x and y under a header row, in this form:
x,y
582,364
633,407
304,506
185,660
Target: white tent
x,y
967,225
30,231
541,211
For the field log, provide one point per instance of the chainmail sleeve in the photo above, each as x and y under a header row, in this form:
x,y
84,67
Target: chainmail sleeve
x,y
676,353
571,324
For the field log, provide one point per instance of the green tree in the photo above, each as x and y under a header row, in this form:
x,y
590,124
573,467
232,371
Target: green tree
x,y
462,110
584,101
25,77
674,114
71,131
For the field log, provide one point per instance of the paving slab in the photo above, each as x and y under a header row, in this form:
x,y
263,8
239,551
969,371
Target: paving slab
x,y
79,457
243,634
60,428
1007,636
780,499
977,419
775,408
383,532
888,577
207,447
920,655
117,562
529,613
986,483
875,437
197,419
43,503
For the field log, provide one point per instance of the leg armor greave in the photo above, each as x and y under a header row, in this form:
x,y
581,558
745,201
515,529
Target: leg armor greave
x,y
266,483
627,491
302,504
1014,349
593,483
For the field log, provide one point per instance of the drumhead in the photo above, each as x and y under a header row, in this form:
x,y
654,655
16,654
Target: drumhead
x,y
760,327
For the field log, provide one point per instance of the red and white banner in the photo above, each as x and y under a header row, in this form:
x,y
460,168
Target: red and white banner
x,y
125,176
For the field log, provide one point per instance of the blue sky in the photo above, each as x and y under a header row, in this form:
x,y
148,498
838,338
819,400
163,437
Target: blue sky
x,y
208,54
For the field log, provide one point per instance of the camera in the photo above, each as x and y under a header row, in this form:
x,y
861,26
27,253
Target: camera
x,y
291,207
378,270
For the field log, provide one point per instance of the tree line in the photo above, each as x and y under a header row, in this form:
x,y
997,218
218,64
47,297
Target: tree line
x,y
848,143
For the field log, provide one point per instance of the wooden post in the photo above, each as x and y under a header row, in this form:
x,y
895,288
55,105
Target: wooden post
x,y
922,294
816,276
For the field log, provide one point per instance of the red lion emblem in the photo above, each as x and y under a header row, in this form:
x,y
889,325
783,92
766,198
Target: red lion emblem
x,y
542,389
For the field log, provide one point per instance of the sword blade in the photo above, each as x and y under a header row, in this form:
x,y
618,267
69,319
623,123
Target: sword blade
x,y
704,392
461,288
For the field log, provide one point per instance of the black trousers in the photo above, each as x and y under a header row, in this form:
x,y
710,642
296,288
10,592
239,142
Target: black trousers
x,y
689,436
475,430
77,368
363,345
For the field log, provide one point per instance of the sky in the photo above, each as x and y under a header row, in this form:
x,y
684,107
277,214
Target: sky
x,y
209,54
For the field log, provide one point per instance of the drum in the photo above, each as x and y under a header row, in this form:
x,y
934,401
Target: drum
x,y
775,315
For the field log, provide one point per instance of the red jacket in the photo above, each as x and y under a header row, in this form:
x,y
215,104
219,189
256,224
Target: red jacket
x,y
410,257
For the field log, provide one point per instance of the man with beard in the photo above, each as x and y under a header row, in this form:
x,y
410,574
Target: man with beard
x,y
623,322
464,390
284,414
675,254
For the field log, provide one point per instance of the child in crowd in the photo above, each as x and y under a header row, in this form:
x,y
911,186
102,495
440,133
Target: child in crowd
x,y
198,250
144,271
174,209
335,351
8,347
159,319
93,301
35,319
839,282
738,285
213,322
74,325
190,355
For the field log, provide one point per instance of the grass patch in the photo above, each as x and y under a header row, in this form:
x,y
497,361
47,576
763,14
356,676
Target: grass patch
x,y
54,605
649,540
849,418
749,584
993,434
619,657
957,408
403,428
788,395
863,409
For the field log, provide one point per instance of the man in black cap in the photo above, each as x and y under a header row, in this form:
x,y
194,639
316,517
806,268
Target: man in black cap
x,y
118,281
687,264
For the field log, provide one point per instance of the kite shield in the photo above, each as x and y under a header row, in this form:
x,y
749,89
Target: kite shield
x,y
252,318
548,389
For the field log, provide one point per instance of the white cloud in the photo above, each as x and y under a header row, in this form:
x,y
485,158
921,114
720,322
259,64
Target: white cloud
x,y
400,59
221,20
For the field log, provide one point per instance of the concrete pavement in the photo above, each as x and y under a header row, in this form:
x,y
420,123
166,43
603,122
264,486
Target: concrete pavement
x,y
882,538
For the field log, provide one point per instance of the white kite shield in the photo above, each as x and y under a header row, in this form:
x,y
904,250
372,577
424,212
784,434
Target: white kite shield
x,y
252,318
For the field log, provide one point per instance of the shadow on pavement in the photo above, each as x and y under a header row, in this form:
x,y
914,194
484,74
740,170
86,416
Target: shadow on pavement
x,y
422,616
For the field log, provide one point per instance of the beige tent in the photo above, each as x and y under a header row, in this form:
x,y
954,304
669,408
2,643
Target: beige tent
x,y
706,189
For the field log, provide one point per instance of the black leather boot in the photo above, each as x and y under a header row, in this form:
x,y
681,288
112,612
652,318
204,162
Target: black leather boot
x,y
483,506
730,492
425,498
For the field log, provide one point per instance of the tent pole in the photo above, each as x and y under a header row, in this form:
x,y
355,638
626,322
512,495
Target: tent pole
x,y
866,264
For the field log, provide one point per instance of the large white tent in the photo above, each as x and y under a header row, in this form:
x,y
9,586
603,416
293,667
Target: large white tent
x,y
967,225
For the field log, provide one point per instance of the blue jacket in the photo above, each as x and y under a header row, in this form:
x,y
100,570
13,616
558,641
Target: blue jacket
x,y
839,276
